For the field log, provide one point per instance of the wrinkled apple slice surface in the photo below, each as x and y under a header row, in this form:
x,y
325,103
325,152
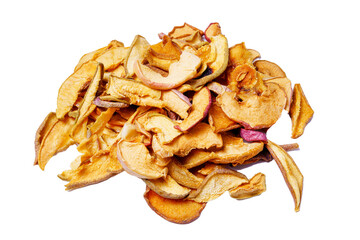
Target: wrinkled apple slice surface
x,y
199,110
254,187
179,72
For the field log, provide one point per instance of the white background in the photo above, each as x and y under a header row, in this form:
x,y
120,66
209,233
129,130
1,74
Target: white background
x,y
315,42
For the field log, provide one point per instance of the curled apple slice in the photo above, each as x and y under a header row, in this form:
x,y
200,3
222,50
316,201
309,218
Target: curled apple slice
x,y
179,211
182,175
176,102
179,72
285,84
255,111
291,173
254,187
136,160
216,183
167,187
199,110
138,50
269,68
216,68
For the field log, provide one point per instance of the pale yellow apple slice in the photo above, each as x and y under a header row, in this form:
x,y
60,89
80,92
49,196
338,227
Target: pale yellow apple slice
x,y
254,187
138,50
200,107
179,72
216,183
179,211
136,160
285,84
167,187
182,175
291,173
254,112
177,102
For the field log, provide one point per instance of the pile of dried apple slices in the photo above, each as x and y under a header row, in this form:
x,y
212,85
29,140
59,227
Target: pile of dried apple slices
x,y
179,115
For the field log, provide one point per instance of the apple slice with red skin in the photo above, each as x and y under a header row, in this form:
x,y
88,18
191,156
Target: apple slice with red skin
x,y
199,109
250,135
179,72
213,29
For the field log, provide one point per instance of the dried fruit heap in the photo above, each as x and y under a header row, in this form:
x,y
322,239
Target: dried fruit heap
x,y
178,115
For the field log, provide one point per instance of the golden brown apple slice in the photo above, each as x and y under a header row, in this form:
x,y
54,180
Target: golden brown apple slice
x,y
69,90
179,72
212,30
236,151
177,102
56,139
285,84
179,211
219,121
216,183
254,187
254,112
167,187
98,168
136,160
200,107
163,126
113,57
183,176
138,50
300,112
216,67
291,173
239,55
269,68
199,137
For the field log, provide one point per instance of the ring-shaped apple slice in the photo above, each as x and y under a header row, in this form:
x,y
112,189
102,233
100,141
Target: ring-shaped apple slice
x,y
255,111
179,72
136,160
199,110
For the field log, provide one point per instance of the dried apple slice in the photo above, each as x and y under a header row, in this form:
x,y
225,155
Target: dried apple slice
x,y
101,121
183,31
113,57
285,84
217,67
163,126
199,137
300,112
236,151
212,30
179,211
177,102
166,49
138,50
44,128
216,183
219,121
197,157
69,90
183,176
254,187
250,135
99,168
57,139
167,187
136,160
291,173
254,112
179,72
90,93
218,88
269,68
240,55
200,107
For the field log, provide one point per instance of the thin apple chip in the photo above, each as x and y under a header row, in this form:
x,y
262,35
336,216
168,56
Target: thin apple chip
x,y
285,84
219,121
113,57
69,90
167,187
101,121
90,93
183,31
138,50
289,170
268,68
179,211
44,128
300,112
98,169
216,183
56,140
254,187
182,175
